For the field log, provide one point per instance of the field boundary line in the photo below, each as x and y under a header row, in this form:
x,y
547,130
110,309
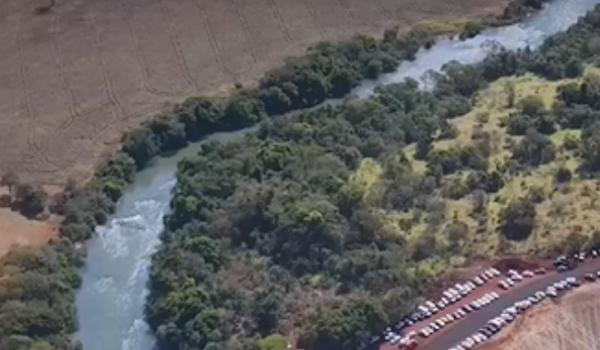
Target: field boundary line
x,y
109,126
74,114
348,11
382,9
141,60
314,18
106,79
277,15
248,34
116,108
418,8
183,67
451,5
30,110
72,105
214,44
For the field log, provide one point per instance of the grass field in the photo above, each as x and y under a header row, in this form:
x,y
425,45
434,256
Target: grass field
x,y
75,78
565,210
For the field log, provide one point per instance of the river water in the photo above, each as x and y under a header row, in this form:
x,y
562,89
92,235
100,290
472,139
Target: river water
x,y
111,300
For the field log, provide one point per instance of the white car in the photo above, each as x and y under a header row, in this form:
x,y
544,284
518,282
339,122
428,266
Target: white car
x,y
528,273
395,339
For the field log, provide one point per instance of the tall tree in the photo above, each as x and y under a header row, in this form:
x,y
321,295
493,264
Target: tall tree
x,y
10,179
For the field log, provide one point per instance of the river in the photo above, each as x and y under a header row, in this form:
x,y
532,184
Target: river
x,y
111,301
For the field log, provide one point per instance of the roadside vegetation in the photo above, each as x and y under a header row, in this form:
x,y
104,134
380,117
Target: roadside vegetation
x,y
271,234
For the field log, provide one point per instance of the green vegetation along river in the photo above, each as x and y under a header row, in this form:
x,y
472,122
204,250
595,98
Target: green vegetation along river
x,y
111,301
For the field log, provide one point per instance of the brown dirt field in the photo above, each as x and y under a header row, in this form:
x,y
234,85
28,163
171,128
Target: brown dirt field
x,y
521,335
75,78
15,229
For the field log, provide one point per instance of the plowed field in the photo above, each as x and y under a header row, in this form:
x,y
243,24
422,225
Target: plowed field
x,y
73,79
572,323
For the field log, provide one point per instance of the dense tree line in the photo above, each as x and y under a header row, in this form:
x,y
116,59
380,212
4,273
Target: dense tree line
x,y
37,298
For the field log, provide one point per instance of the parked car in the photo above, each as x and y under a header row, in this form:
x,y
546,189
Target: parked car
x,y
527,273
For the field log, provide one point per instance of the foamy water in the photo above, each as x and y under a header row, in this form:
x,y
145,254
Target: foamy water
x,y
111,300
115,278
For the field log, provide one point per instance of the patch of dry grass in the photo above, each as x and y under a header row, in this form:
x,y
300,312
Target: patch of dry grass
x,y
566,208
367,175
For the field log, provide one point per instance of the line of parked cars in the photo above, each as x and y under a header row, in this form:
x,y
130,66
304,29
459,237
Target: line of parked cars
x,y
569,262
440,323
509,314
395,333
513,277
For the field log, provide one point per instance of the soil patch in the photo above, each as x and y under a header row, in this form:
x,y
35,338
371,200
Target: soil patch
x,y
17,230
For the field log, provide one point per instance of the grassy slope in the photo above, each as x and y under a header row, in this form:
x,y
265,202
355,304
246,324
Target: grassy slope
x,y
567,208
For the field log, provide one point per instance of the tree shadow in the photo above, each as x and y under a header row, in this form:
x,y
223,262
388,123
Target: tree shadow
x,y
5,201
40,10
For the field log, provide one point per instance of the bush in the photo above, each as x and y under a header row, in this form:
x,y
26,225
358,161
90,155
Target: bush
x,y
532,106
563,175
346,325
273,342
31,200
534,149
517,220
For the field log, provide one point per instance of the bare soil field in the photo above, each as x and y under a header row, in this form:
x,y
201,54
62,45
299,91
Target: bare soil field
x,y
571,323
75,78
16,229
